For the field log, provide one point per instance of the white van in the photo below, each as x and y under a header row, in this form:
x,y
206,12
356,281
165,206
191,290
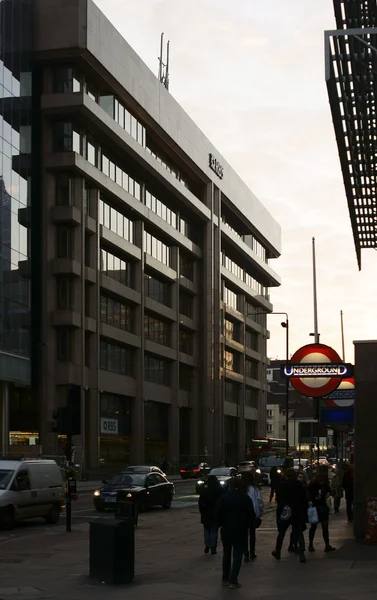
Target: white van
x,y
29,489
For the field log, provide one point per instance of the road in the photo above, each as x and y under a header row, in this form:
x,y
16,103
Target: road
x,y
83,512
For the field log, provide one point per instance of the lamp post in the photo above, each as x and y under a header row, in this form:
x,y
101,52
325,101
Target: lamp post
x,y
284,324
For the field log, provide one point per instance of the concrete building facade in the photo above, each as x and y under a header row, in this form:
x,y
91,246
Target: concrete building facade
x,y
150,258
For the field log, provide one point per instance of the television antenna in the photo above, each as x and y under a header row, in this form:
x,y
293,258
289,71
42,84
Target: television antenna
x,y
163,68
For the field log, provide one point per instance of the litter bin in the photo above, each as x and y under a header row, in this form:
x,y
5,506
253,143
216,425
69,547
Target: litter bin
x,y
126,507
112,551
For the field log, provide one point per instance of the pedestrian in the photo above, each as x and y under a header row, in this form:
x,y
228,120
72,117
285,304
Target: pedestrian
x,y
319,493
275,479
208,500
336,487
292,508
254,493
348,485
293,547
235,515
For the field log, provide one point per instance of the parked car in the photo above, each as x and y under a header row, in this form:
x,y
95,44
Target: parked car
x,y
223,474
193,471
151,489
28,489
265,465
246,465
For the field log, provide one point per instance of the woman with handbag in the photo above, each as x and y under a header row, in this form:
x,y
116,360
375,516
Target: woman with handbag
x,y
255,495
319,493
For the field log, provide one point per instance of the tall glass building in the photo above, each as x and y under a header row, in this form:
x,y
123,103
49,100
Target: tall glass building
x,y
15,147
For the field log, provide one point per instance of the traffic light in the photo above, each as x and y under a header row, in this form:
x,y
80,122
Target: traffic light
x,y
59,420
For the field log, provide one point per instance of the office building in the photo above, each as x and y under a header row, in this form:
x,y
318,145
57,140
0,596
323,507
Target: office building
x,y
150,258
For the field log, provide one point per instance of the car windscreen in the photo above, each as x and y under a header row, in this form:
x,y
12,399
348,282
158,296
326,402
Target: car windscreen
x,y
138,469
127,479
220,472
271,462
5,477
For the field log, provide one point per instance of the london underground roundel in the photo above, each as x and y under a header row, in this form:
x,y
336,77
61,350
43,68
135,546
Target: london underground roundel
x,y
315,386
344,395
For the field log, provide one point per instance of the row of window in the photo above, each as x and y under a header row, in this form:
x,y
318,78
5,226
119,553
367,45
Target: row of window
x,y
233,391
154,247
233,360
170,216
240,273
116,313
115,267
250,241
68,138
112,219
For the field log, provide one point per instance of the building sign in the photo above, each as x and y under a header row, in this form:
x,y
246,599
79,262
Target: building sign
x,y
109,426
215,166
316,370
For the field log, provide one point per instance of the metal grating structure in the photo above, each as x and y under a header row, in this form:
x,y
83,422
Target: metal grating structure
x,y
351,78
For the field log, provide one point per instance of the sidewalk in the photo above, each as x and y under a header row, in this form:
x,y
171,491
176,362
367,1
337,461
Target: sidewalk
x,y
170,565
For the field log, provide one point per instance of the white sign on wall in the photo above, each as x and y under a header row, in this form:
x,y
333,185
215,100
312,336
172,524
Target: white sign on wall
x,y
109,426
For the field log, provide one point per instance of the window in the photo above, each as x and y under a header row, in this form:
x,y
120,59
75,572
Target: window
x,y
160,209
186,342
63,344
240,273
251,369
88,338
116,358
186,377
64,241
186,266
115,406
230,298
116,313
269,413
156,330
283,427
116,268
66,80
251,340
157,290
120,176
106,101
154,247
232,330
117,111
251,397
91,150
66,138
64,293
64,190
231,361
231,391
157,370
186,304
269,428
87,249
112,219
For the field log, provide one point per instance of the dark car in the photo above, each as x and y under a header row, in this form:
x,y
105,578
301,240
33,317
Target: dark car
x,y
195,470
264,468
223,474
146,490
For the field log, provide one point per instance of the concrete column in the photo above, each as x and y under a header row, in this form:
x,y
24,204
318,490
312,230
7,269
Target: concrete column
x,y
4,418
174,408
365,431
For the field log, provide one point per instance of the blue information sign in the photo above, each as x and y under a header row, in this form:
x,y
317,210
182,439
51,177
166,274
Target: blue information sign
x,y
342,395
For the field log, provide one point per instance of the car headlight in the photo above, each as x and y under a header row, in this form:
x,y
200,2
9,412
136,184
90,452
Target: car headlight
x,y
97,493
129,495
258,471
279,470
200,482
222,482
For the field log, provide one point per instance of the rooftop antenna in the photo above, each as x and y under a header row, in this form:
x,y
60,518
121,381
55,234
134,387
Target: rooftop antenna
x,y
163,68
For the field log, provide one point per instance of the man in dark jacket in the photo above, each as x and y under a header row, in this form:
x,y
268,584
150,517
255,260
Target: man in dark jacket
x,y
292,506
207,503
235,515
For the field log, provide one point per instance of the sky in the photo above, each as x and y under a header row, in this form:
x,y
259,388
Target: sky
x,y
251,75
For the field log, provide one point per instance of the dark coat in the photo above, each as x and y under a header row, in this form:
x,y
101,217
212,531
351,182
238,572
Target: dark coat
x,y
235,515
292,494
318,494
208,500
347,483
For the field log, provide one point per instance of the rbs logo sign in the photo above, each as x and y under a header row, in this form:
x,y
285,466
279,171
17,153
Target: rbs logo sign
x,y
215,166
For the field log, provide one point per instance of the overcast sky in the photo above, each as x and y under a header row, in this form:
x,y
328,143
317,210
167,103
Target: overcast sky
x,y
251,74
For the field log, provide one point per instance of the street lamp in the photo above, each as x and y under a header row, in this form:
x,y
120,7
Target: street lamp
x,y
285,325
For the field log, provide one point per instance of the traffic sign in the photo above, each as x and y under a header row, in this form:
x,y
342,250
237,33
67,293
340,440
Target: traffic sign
x,y
322,370
344,396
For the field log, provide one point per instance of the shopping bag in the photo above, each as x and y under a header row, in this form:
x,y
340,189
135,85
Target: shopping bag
x,y
312,515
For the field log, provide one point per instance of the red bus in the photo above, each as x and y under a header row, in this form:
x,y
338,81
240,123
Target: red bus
x,y
267,446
